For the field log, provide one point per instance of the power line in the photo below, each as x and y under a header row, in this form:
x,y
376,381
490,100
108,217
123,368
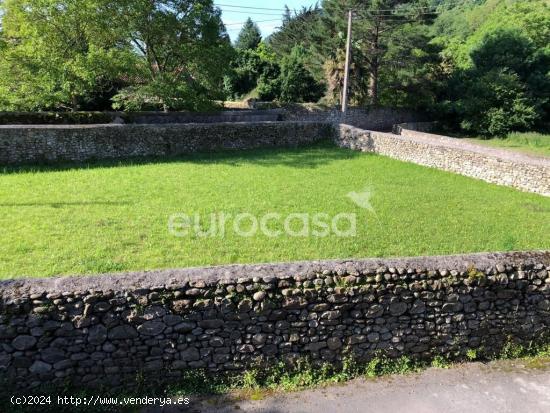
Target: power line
x,y
259,21
251,12
246,7
395,16
366,10
414,8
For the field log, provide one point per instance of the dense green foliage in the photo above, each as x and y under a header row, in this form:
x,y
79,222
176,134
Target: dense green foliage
x,y
247,68
249,37
114,216
61,54
499,58
183,47
257,68
297,83
483,66
58,54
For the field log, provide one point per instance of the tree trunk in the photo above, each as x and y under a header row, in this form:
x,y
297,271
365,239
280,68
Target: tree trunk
x,y
374,65
373,84
74,103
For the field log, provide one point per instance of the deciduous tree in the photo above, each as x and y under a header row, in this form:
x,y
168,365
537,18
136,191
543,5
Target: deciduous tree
x,y
185,49
59,54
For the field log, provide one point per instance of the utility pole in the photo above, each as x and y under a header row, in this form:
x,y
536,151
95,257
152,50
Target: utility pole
x,y
348,61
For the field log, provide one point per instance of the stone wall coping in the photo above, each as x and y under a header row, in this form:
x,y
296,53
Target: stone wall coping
x,y
497,166
455,143
449,142
174,278
154,125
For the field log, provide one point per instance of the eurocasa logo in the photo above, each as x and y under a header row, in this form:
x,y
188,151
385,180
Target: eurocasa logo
x,y
363,199
273,224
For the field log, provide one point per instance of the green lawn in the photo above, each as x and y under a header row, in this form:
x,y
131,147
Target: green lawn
x,y
529,142
106,218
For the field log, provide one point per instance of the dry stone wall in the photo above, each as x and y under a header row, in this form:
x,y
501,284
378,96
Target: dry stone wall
x,y
108,330
379,119
28,144
374,118
57,143
528,173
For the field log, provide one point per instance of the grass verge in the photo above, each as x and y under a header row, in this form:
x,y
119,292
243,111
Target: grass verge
x,y
259,382
529,142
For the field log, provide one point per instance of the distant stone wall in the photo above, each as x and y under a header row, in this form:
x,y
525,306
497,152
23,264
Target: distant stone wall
x,y
108,330
56,143
213,117
374,118
502,167
378,119
91,118
402,128
33,144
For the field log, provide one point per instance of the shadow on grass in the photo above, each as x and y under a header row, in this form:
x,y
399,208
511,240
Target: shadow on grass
x,y
303,157
61,204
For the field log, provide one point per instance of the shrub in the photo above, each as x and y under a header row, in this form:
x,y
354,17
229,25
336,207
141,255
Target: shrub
x,y
507,87
495,104
251,68
164,93
269,84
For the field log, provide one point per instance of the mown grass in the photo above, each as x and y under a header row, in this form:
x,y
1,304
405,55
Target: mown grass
x,y
113,217
528,142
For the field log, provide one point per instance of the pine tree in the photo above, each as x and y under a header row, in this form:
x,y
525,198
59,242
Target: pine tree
x,y
376,27
249,37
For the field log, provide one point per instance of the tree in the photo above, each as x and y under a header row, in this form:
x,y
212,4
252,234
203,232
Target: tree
x,y
495,103
297,29
248,67
296,82
59,54
249,37
507,88
497,58
183,47
375,29
413,75
268,85
461,28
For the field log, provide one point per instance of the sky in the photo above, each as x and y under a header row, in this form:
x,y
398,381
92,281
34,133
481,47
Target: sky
x,y
234,17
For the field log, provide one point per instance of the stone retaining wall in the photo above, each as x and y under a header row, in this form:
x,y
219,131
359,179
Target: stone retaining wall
x,y
56,143
379,119
373,118
502,167
108,330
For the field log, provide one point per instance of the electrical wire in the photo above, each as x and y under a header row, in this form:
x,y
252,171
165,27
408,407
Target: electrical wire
x,y
367,10
259,21
251,13
246,7
395,16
